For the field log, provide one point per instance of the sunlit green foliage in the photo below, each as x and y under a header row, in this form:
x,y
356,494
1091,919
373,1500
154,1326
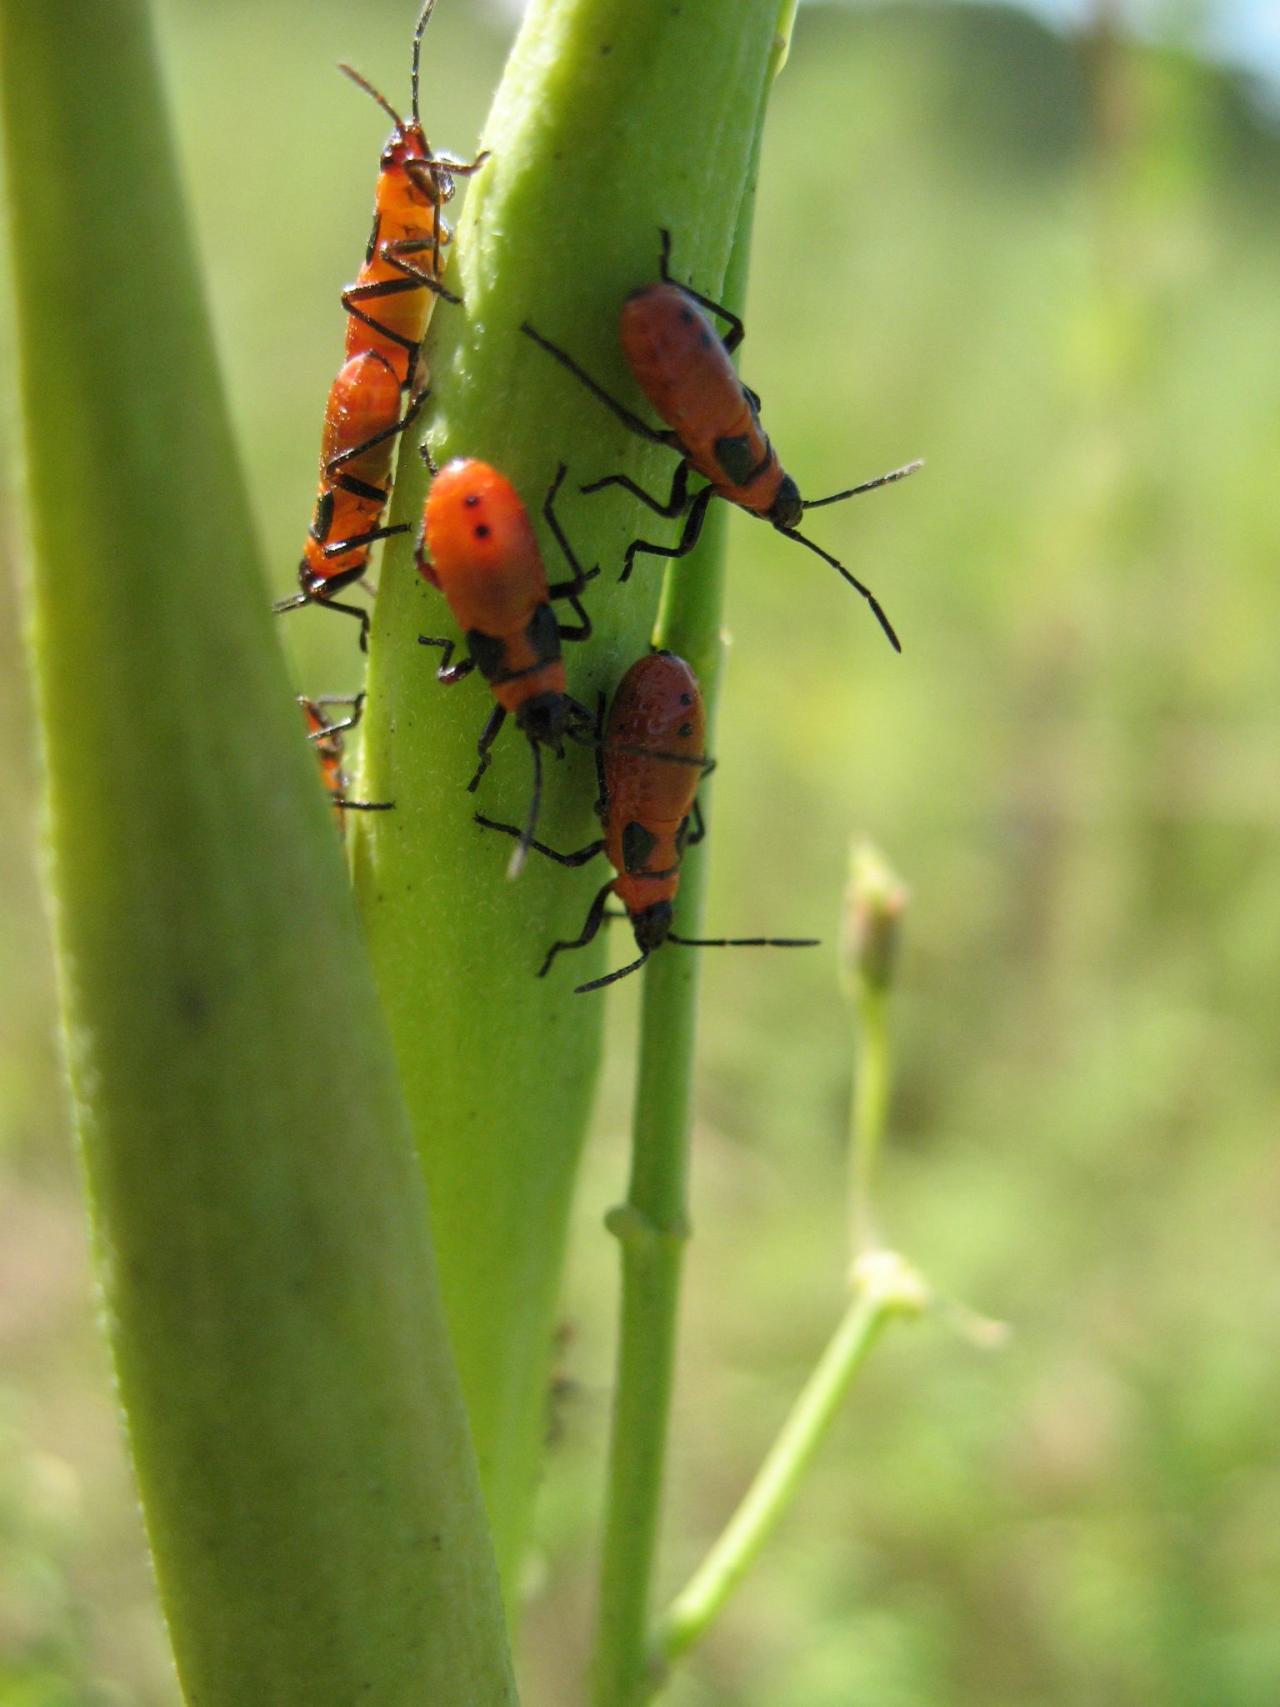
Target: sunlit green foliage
x,y
1072,765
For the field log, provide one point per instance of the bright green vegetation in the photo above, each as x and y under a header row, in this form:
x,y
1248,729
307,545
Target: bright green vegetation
x,y
268,1284
499,1067
1073,767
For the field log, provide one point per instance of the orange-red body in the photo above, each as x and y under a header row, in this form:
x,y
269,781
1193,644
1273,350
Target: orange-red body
x,y
480,550
681,364
653,763
364,402
326,743
389,305
327,735
387,310
478,546
408,238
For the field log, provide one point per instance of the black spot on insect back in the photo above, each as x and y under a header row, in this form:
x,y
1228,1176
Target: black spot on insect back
x,y
736,458
488,652
637,844
543,635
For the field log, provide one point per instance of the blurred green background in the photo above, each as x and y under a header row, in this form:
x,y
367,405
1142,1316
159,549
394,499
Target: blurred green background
x,y
1052,266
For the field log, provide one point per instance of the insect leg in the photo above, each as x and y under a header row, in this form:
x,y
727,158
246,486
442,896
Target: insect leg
x,y
336,462
385,287
594,919
699,830
583,631
676,502
737,331
448,673
688,539
632,422
461,168
579,856
313,598
566,589
393,254
371,537
497,717
355,711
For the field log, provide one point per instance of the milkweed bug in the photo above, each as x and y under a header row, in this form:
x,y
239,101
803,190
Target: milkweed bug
x,y
403,262
478,547
360,422
401,276
649,763
326,736
682,365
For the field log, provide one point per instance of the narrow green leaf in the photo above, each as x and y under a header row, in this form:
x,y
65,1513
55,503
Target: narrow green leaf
x,y
267,1279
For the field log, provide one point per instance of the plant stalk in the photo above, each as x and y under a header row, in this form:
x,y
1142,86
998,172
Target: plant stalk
x,y
868,1110
884,1287
653,1224
612,122
260,1226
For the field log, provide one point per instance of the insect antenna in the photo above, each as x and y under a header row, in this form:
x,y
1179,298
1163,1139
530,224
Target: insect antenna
x,y
424,18
521,850
744,941
866,486
364,83
853,581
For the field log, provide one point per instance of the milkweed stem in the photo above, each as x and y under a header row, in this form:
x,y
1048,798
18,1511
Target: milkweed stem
x,y
884,1287
653,1224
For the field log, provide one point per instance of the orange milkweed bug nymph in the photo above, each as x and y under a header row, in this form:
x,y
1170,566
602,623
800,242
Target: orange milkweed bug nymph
x,y
649,762
479,548
682,365
360,422
400,277
326,736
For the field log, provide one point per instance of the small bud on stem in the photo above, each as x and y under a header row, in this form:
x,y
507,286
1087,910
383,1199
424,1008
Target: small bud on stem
x,y
875,901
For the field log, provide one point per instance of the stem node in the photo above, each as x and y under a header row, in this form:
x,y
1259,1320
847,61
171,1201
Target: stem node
x,y
640,1233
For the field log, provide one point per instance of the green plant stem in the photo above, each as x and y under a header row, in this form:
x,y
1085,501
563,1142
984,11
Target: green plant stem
x,y
869,1107
612,121
884,1287
653,1224
260,1226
